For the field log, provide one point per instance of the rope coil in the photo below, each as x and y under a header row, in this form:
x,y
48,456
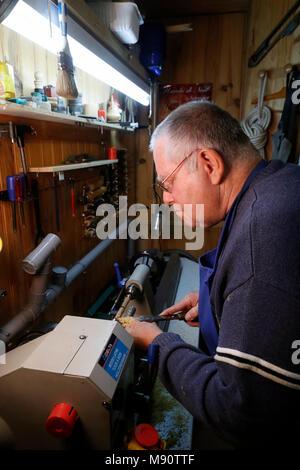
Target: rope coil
x,y
256,123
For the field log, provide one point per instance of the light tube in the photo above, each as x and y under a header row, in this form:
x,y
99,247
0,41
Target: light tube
x,y
27,22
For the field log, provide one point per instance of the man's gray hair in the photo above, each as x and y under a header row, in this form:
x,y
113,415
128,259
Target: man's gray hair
x,y
202,124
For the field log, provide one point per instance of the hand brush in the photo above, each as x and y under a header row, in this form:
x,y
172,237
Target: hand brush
x,y
65,84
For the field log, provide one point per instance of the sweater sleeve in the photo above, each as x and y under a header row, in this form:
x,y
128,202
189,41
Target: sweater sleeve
x,y
248,392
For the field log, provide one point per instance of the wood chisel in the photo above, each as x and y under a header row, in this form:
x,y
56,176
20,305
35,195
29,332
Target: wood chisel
x,y
156,318
267,44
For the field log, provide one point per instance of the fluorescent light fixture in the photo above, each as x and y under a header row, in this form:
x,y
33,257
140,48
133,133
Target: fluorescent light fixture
x,y
31,24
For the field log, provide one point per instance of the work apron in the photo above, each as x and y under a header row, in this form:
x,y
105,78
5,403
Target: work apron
x,y
208,264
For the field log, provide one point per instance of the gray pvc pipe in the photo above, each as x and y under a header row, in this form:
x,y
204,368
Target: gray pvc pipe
x,y
40,298
32,310
38,257
55,290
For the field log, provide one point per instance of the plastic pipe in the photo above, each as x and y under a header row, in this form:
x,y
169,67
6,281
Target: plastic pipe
x,y
32,310
40,298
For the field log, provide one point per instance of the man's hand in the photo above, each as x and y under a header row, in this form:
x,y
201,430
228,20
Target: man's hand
x,y
188,304
143,333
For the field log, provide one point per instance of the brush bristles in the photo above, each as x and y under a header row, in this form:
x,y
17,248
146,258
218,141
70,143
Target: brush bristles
x,y
65,85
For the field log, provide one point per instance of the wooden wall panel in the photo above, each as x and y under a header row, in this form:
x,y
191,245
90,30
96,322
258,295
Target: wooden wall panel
x,y
212,52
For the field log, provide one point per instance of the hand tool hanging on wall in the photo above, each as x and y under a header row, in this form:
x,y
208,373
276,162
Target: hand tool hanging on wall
x,y
284,139
56,203
20,194
72,196
39,234
10,183
16,193
17,133
267,45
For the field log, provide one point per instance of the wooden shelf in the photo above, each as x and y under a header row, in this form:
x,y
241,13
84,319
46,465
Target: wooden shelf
x,y
21,110
72,166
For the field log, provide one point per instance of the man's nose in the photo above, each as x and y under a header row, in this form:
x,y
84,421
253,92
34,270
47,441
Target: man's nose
x,y
167,198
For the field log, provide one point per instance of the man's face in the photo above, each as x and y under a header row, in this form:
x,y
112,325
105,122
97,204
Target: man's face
x,y
186,186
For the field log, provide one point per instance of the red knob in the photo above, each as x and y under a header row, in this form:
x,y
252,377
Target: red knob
x,y
146,435
61,421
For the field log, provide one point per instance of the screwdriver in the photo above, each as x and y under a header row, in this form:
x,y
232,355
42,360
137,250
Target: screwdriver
x,y
20,192
72,196
16,191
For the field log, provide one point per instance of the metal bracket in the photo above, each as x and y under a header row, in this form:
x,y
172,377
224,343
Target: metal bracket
x,y
5,131
14,131
3,293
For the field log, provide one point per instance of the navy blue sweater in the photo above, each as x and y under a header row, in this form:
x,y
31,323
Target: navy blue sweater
x,y
249,392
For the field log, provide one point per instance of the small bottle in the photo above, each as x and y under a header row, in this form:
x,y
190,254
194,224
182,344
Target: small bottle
x,y
38,83
7,87
37,98
113,110
45,105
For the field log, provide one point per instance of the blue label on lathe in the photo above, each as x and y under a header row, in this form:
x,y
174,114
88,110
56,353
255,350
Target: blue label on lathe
x,y
114,357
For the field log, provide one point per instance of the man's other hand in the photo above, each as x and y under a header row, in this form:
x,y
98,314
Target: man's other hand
x,y
143,333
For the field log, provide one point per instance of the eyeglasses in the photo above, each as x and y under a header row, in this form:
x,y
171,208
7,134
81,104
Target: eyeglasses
x,y
161,184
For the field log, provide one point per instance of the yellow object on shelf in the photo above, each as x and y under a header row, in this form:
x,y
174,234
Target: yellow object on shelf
x,y
7,86
1,244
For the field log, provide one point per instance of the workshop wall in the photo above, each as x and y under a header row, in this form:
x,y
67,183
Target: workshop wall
x,y
53,143
212,52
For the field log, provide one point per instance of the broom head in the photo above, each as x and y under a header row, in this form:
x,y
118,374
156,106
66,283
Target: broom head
x,y
65,83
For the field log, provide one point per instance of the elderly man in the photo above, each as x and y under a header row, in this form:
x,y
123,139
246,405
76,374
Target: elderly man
x,y
244,380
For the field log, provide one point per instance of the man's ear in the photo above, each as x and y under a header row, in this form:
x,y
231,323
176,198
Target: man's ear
x,y
212,164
